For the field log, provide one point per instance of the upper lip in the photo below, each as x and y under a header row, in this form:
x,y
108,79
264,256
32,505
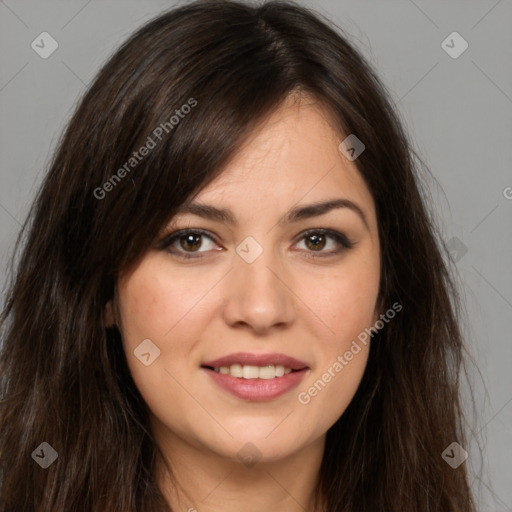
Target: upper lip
x,y
246,358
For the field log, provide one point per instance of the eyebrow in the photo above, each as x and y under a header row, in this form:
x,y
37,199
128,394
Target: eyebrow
x,y
296,214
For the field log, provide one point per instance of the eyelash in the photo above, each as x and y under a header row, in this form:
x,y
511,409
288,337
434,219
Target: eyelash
x,y
340,238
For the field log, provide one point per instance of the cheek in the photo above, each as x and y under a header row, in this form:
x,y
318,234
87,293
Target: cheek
x,y
154,301
330,391
347,307
157,304
154,304
344,300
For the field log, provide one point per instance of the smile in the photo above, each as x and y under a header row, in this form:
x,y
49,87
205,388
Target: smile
x,y
256,377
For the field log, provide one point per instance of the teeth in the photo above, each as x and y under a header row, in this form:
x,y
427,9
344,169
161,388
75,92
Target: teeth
x,y
236,370
254,372
267,372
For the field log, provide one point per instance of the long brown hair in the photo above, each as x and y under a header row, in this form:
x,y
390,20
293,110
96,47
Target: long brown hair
x,y
64,378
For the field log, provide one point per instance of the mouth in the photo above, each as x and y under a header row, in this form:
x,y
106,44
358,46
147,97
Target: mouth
x,y
256,377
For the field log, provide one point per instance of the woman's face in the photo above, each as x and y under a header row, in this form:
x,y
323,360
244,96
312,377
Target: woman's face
x,y
258,297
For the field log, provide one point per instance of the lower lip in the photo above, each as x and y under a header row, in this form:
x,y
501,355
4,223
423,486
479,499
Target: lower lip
x,y
257,390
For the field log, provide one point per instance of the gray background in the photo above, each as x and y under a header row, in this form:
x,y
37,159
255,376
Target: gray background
x,y
457,111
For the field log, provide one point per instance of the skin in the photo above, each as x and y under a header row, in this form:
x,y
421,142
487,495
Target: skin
x,y
201,309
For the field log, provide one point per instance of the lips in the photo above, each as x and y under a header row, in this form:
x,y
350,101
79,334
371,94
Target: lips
x,y
252,388
245,358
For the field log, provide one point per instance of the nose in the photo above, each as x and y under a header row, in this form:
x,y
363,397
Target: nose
x,y
259,295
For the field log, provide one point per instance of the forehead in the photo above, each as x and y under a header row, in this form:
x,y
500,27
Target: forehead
x,y
292,157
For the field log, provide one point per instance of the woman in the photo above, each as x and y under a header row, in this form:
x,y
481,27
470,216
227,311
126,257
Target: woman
x,y
231,291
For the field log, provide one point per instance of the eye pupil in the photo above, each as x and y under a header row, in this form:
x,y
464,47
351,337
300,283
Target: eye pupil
x,y
318,241
191,238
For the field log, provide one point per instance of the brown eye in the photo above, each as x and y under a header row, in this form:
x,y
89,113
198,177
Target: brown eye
x,y
186,243
315,242
191,241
